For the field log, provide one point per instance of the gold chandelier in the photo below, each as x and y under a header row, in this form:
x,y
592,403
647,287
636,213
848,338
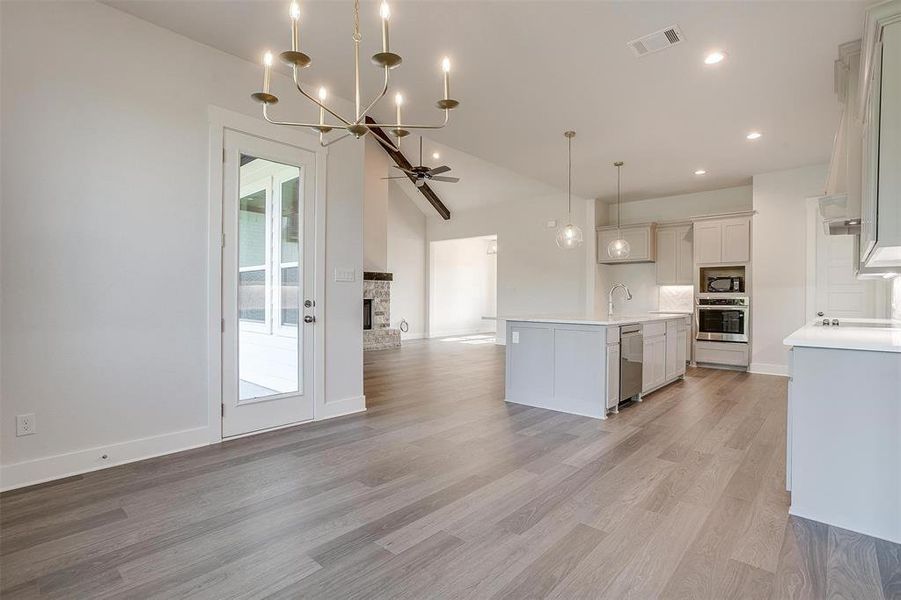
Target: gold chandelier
x,y
356,126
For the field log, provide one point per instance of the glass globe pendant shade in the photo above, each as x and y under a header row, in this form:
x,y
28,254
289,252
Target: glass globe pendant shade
x,y
618,248
569,237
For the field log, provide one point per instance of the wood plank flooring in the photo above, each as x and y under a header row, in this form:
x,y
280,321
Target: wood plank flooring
x,y
442,490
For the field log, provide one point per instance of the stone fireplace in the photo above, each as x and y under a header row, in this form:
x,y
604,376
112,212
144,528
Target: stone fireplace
x,y
377,312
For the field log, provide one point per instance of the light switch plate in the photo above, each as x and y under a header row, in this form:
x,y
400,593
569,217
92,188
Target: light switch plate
x,y
552,223
345,275
515,337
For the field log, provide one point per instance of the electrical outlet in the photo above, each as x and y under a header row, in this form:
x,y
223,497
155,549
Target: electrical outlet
x,y
25,425
515,337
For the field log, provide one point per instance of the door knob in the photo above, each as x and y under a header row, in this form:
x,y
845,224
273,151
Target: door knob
x,y
309,319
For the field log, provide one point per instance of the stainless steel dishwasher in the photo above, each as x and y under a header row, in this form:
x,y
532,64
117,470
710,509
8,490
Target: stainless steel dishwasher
x,y
631,351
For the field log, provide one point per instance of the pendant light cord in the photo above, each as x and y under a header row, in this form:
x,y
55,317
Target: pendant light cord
x,y
569,189
618,200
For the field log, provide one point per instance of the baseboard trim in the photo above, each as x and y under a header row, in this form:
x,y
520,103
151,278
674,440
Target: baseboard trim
x,y
341,407
881,533
768,369
49,468
442,334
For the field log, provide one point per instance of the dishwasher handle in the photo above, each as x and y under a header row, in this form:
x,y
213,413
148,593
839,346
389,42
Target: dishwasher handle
x,y
630,329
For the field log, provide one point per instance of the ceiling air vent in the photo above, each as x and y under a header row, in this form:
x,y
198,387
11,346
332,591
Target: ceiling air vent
x,y
657,41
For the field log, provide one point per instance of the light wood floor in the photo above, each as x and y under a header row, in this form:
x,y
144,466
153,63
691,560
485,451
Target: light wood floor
x,y
441,490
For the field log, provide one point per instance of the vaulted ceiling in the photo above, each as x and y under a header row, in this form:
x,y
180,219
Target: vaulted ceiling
x,y
526,71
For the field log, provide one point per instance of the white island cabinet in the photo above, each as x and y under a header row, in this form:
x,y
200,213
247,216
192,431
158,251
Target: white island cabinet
x,y
572,364
843,455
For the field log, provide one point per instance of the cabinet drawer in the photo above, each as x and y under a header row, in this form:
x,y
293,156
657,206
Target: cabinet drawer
x,y
721,353
653,328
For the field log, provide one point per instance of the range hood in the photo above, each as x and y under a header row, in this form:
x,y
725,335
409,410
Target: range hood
x,y
837,219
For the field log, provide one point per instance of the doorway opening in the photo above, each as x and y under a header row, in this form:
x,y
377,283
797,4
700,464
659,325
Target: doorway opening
x,y
463,289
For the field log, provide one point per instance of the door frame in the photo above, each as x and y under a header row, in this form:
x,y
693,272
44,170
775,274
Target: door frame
x,y
219,120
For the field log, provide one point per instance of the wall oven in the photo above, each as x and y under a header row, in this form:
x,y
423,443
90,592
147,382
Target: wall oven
x,y
723,319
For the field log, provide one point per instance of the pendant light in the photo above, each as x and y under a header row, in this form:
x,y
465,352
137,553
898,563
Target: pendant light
x,y
569,236
618,248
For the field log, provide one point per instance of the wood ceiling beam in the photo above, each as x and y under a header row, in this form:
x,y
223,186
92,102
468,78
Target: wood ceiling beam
x,y
401,161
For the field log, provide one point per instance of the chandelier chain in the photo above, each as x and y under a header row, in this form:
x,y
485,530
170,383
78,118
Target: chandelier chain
x,y
357,36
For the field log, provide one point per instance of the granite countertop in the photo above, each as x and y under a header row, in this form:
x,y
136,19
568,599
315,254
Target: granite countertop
x,y
597,319
850,334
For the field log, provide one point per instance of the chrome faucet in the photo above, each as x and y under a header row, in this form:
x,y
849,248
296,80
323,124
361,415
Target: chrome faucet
x,y
610,297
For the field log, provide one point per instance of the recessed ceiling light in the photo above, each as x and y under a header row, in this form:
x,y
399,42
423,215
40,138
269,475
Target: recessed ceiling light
x,y
714,57
754,135
701,172
435,155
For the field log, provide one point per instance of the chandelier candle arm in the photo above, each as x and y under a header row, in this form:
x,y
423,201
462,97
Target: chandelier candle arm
x,y
385,13
267,71
376,99
445,66
295,27
316,102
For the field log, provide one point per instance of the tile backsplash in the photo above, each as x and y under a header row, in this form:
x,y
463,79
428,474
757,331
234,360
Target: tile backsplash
x,y
676,298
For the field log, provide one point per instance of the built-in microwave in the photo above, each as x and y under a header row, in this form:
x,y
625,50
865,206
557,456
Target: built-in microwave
x,y
723,319
725,284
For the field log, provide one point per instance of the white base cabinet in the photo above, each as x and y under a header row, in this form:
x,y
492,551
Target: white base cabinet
x,y
844,439
613,357
665,353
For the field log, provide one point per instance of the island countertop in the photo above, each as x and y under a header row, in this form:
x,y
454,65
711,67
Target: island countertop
x,y
850,334
596,319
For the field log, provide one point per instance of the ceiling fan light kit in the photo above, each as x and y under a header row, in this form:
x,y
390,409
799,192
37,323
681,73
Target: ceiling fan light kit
x,y
569,236
422,174
357,125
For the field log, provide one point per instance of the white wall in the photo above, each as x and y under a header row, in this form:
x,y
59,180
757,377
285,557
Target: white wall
x,y
406,241
462,280
779,253
642,278
105,255
674,208
534,276
375,206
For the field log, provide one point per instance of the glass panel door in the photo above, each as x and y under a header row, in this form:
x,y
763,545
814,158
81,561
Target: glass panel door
x,y
269,279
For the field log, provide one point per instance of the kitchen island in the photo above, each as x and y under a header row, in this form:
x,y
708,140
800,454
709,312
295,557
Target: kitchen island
x,y
843,455
572,363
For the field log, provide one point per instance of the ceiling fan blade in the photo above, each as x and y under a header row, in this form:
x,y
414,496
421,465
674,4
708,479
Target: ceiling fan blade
x,y
439,170
410,171
447,179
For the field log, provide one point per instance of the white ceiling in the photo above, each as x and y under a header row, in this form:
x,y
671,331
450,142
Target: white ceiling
x,y
526,71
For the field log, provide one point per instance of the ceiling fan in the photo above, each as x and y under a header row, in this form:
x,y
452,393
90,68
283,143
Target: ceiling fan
x,y
421,174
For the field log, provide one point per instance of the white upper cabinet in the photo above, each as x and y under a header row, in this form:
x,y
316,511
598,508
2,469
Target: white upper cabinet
x,y
642,243
674,255
722,241
880,235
